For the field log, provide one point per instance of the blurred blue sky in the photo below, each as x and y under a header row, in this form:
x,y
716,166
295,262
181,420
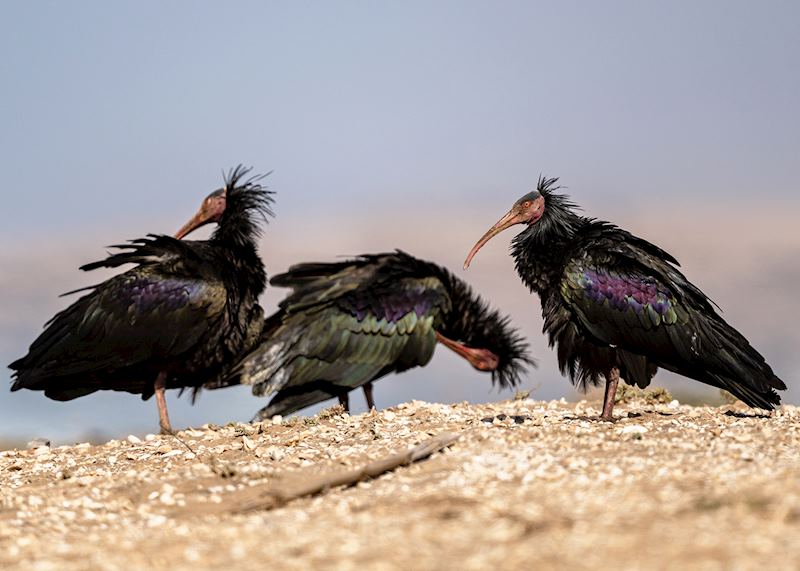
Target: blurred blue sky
x,y
387,124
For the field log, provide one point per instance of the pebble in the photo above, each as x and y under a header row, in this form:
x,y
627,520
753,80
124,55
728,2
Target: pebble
x,y
41,451
134,439
201,469
38,443
276,453
633,429
156,520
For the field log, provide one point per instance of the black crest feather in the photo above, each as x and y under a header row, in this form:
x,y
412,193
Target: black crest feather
x,y
246,198
475,323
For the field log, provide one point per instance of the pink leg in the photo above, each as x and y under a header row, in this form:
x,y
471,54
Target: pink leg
x,y
612,380
161,402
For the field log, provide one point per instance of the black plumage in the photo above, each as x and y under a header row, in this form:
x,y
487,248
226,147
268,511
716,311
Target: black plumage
x,y
347,324
185,309
616,305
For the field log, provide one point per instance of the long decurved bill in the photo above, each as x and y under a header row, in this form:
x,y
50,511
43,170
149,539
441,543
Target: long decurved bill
x,y
197,220
512,217
476,357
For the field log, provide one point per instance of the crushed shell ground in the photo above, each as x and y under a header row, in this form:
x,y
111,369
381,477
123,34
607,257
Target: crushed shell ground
x,y
529,485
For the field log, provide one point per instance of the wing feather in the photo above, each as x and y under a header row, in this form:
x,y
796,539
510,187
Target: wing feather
x,y
128,319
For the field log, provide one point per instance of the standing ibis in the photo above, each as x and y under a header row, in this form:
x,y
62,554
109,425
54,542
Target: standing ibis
x,y
617,306
347,324
174,320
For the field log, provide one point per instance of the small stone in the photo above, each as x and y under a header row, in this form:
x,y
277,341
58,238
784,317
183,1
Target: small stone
x,y
248,444
38,443
67,515
673,404
243,428
634,429
201,468
150,437
41,451
156,520
277,419
191,554
389,415
134,439
167,496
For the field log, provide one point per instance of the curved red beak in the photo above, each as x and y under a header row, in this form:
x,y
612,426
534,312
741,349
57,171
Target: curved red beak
x,y
210,211
481,359
512,217
198,220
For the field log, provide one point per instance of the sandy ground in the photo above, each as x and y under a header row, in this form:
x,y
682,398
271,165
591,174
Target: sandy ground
x,y
527,485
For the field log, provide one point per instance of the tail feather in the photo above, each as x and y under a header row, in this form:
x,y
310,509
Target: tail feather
x,y
713,352
766,399
743,371
293,399
69,387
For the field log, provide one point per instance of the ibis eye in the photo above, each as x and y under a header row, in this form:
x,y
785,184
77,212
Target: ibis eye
x,y
526,204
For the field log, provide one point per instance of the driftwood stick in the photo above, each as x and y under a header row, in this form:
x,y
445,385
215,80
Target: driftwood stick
x,y
279,496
